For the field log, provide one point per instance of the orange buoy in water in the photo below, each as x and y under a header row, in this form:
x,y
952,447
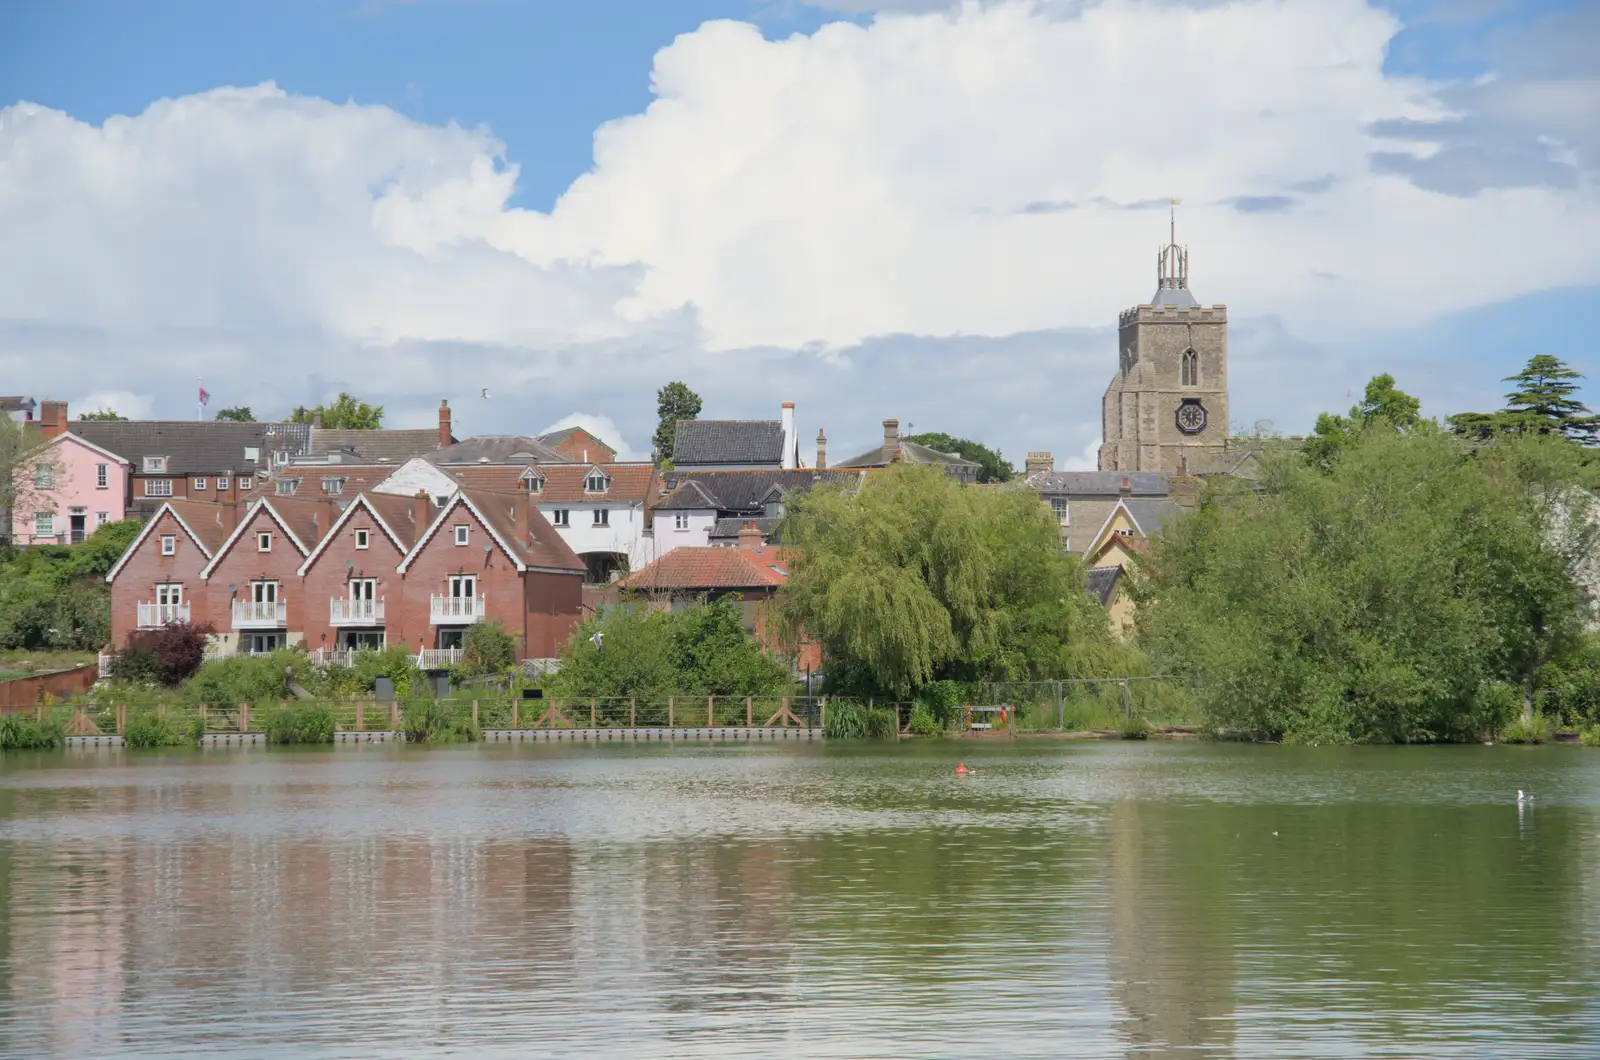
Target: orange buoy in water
x,y
961,769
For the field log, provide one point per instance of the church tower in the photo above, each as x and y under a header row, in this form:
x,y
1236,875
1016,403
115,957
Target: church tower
x,y
1167,407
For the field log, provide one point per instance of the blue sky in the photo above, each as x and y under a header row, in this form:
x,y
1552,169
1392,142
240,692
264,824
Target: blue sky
x,y
1485,109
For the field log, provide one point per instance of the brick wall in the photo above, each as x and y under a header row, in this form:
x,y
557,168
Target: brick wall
x,y
137,580
329,577
245,563
24,693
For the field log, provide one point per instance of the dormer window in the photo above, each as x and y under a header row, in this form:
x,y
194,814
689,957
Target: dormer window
x,y
333,485
252,454
532,481
155,465
288,486
596,482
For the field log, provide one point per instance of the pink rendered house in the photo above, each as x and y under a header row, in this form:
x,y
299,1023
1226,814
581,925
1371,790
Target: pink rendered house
x,y
66,489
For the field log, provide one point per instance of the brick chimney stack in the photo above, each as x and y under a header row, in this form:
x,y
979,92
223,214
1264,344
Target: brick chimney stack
x,y
891,441
1127,487
822,449
445,435
1040,460
421,512
749,536
316,419
52,418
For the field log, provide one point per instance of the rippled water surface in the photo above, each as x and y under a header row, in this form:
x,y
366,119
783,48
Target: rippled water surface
x,y
1126,900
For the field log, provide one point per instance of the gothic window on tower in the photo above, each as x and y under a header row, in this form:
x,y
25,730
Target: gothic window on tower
x,y
1190,368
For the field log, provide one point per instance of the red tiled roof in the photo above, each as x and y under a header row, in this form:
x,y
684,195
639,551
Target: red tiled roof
x,y
517,521
563,483
711,567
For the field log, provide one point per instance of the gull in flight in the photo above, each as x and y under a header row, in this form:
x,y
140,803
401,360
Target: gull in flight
x,y
485,393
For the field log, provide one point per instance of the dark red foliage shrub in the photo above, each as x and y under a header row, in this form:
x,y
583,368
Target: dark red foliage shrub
x,y
167,656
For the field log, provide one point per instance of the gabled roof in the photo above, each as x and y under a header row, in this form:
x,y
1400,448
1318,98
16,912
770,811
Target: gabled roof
x,y
564,483
728,442
204,523
1148,516
518,449
381,446
62,439
728,529
199,447
690,496
745,491
361,503
275,507
516,525
710,567
559,439
1100,483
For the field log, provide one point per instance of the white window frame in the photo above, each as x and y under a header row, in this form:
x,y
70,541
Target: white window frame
x,y
44,477
1062,510
680,520
463,533
462,586
44,524
169,544
533,481
362,590
245,482
264,541
155,465
169,594
102,476
602,517
252,453
363,538
560,517
199,484
287,487
333,485
593,477
158,487
222,483
102,518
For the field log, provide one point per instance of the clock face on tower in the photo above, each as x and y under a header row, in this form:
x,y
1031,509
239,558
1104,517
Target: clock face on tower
x,y
1191,416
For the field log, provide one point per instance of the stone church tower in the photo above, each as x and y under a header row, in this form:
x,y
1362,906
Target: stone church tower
x,y
1167,407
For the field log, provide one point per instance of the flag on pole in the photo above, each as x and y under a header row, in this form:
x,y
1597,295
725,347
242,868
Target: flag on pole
x,y
204,397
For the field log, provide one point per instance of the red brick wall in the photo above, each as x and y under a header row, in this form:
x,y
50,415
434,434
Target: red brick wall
x,y
328,578
24,693
554,609
243,564
579,443
136,581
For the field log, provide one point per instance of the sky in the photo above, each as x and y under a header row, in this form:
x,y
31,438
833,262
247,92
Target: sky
x,y
917,209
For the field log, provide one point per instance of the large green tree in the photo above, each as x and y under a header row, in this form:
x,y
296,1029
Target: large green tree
x,y
1412,591
1543,401
674,402
992,467
1382,407
346,412
916,579
56,596
237,414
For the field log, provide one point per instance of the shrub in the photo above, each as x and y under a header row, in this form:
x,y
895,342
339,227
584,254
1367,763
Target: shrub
x,y
153,730
249,678
487,648
849,720
1134,728
922,721
308,723
166,656
1541,729
942,700
18,732
436,722
1590,737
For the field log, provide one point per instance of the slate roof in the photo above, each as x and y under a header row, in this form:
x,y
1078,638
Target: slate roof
x,y
516,449
1173,298
1152,515
728,529
380,446
912,452
728,442
1100,483
711,567
691,496
200,447
357,478
746,491
1103,582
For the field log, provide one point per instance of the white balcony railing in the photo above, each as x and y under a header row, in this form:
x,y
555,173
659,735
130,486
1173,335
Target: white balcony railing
x,y
154,616
334,657
343,611
259,614
435,658
454,610
105,665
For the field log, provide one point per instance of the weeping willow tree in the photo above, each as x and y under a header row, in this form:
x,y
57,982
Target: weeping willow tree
x,y
917,579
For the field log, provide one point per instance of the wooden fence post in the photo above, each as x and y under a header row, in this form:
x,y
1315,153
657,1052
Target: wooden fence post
x,y
669,711
591,713
474,712
749,717
711,712
516,714
822,718
244,717
633,712
394,716
361,714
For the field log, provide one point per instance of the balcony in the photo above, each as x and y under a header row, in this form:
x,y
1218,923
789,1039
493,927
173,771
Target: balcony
x,y
346,612
260,614
455,610
154,616
437,658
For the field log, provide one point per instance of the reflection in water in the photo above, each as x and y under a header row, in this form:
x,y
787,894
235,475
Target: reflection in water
x,y
1136,901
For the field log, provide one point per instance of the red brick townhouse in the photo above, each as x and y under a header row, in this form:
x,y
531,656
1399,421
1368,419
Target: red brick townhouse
x,y
384,570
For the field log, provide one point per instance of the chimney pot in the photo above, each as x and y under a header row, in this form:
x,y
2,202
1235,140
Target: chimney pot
x,y
891,441
316,418
1040,460
749,536
822,449
52,418
446,436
